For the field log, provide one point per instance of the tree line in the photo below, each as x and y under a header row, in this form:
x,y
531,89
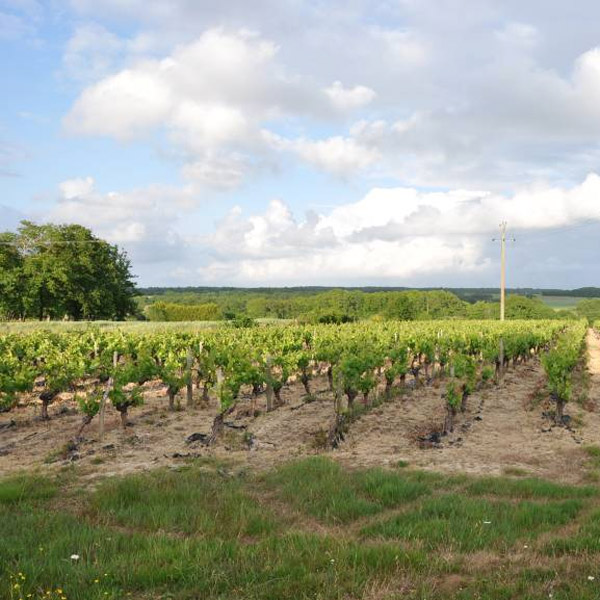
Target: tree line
x,y
63,272
335,306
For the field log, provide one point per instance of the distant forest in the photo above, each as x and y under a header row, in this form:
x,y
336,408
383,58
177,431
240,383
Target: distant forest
x,y
467,294
334,305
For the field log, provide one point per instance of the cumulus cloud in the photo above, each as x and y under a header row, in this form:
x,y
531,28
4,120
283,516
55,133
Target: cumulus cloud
x,y
224,172
537,114
519,34
398,97
392,235
402,47
73,189
349,98
342,156
121,106
211,96
224,99
448,95
142,220
208,79
274,248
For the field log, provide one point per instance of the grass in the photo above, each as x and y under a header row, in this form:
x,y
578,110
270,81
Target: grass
x,y
527,488
587,539
336,495
593,453
465,524
561,302
209,531
515,472
26,488
187,501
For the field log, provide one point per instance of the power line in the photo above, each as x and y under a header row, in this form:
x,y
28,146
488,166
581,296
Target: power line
x,y
56,243
564,229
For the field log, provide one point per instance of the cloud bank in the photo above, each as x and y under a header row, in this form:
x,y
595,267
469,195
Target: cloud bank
x,y
391,235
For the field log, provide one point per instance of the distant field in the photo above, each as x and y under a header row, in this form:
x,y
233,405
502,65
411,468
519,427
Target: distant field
x,y
561,302
134,326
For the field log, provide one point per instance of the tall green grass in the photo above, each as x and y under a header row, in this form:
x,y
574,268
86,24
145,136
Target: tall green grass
x,y
322,488
468,524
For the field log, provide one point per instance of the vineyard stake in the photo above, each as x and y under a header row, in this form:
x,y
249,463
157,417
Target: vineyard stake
x,y
189,389
269,386
109,384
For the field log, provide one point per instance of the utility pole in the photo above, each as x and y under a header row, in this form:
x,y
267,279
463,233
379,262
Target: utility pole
x,y
502,295
502,268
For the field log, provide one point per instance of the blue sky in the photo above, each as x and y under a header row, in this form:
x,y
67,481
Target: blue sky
x,y
326,142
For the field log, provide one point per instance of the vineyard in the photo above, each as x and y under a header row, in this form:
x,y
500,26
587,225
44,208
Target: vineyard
x,y
228,384
295,461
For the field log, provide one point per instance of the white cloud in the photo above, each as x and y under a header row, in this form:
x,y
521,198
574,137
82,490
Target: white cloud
x,y
392,234
515,121
338,155
451,109
273,248
349,98
142,220
222,172
402,47
76,188
206,86
122,106
519,34
201,126
211,96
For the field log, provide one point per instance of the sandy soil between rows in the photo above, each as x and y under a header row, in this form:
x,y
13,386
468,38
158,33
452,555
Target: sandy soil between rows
x,y
503,430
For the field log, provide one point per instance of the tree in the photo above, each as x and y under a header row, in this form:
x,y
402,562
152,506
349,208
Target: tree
x,y
12,278
57,271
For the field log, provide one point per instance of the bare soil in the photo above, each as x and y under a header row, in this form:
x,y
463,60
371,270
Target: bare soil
x,y
593,345
506,429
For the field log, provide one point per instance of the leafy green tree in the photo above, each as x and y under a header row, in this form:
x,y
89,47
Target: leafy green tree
x,y
12,277
57,271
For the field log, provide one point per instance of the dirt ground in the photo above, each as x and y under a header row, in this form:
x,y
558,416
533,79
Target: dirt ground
x,y
506,429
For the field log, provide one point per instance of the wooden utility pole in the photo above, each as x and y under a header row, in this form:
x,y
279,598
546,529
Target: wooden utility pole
x,y
502,268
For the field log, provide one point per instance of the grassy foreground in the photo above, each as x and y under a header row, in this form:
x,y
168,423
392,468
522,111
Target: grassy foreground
x,y
308,529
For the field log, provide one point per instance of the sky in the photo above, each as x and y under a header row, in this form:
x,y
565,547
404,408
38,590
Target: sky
x,y
310,142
